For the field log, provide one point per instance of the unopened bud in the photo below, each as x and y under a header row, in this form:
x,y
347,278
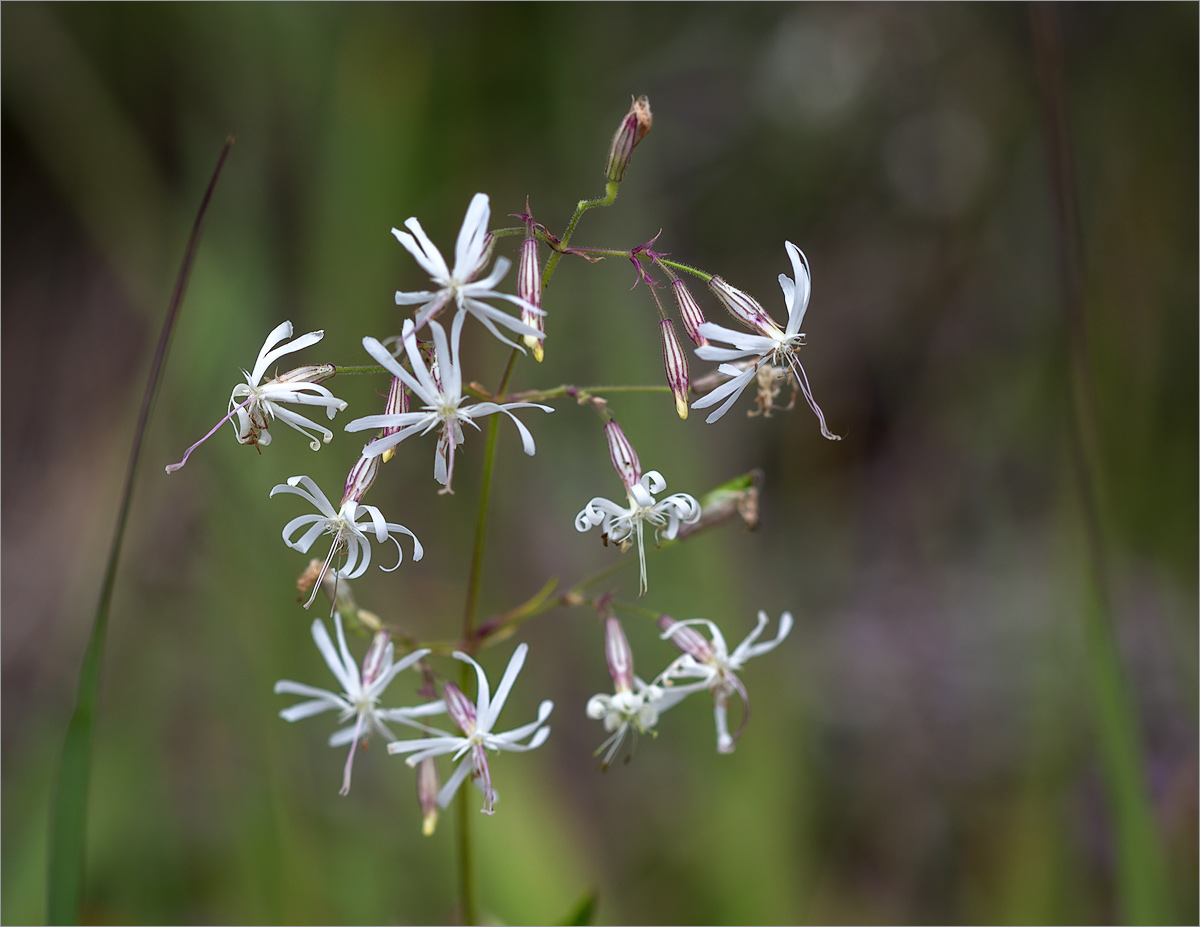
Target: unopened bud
x,y
428,786
742,306
632,130
360,478
374,660
459,708
687,640
618,655
529,288
689,311
624,457
313,373
397,404
676,365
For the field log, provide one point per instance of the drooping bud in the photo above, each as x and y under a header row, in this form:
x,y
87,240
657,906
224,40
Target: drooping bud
x,y
459,708
676,365
743,306
529,288
618,655
397,404
428,786
687,640
374,661
689,311
633,129
624,457
360,478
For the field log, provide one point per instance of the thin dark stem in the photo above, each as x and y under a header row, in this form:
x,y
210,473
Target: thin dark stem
x,y
69,812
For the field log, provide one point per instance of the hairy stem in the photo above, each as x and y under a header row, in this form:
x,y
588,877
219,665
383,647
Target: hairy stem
x,y
610,196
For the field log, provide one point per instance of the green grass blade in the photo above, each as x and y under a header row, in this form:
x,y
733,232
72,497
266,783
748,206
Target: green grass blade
x,y
68,811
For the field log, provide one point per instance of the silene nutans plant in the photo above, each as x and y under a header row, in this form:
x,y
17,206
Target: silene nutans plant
x,y
457,733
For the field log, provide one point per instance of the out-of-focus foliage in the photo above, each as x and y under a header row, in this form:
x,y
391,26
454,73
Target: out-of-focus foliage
x,y
922,747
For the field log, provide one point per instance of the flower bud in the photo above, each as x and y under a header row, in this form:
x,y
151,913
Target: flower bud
x,y
459,708
632,130
428,786
743,306
687,640
676,365
689,311
313,373
374,660
618,655
397,404
360,478
529,288
624,457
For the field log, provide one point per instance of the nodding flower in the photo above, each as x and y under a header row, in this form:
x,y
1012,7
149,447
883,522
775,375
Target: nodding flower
x,y
709,665
623,525
772,346
254,404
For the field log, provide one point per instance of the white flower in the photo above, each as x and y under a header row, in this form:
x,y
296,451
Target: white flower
x,y
471,254
714,668
255,404
440,389
359,698
623,525
772,345
476,723
349,534
634,704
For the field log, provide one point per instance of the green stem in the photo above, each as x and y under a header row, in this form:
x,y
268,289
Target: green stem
x,y
485,491
582,392
687,268
466,886
610,196
68,826
357,370
466,880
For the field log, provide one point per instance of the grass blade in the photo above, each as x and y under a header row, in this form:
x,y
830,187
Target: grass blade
x,y
68,812
1142,894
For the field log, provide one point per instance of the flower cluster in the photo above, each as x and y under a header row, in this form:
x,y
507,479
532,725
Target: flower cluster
x,y
429,393
704,666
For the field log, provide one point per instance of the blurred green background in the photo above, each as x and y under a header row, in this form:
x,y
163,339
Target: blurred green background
x,y
923,748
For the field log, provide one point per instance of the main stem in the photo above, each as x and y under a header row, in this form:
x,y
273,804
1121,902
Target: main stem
x,y
466,881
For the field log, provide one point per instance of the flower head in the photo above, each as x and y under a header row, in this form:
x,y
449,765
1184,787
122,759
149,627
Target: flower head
x,y
475,721
623,525
634,705
440,389
255,404
772,346
710,665
361,691
349,532
460,286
